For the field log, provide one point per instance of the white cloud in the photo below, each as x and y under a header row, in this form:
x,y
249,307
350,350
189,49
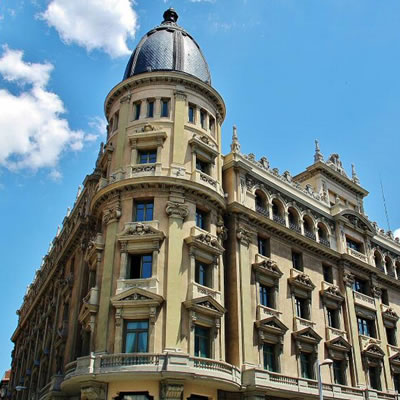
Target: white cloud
x,y
396,233
32,132
94,24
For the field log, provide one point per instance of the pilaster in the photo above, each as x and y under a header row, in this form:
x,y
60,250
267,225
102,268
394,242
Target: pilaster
x,y
171,389
124,111
179,142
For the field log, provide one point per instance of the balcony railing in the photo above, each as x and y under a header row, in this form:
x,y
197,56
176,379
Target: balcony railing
x,y
310,235
279,219
295,227
357,254
120,360
364,300
262,211
325,242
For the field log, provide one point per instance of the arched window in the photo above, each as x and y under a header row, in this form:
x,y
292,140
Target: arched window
x,y
261,203
277,212
323,234
389,266
308,227
378,260
294,219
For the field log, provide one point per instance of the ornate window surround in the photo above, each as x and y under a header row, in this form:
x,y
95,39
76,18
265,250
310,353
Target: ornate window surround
x,y
138,238
207,312
301,286
135,304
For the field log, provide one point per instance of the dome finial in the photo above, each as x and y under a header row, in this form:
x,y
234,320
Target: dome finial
x,y
170,16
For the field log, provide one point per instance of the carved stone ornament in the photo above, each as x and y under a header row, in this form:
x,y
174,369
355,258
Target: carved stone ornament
x,y
93,392
333,292
348,278
303,281
138,229
235,145
171,390
376,291
389,313
177,210
268,267
112,214
243,236
222,231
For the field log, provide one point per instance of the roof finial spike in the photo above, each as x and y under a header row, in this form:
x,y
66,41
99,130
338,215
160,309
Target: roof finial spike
x,y
235,145
354,176
318,155
170,16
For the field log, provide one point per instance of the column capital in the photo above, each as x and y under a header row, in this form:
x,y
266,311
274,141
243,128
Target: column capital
x,y
177,210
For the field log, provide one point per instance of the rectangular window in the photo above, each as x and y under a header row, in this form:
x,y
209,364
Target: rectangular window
x,y
202,343
269,353
396,381
333,318
147,156
191,111
211,123
302,308
391,336
202,274
150,109
164,108
366,327
306,366
328,276
266,296
375,377
203,119
339,376
263,246
136,111
352,244
203,166
360,286
115,121
144,211
136,336
297,260
385,297
140,266
201,219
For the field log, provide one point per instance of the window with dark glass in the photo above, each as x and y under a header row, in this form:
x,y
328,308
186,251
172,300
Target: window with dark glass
x,y
144,211
147,156
203,166
352,244
375,377
211,123
302,307
270,361
203,119
115,121
333,318
339,375
136,336
267,296
328,276
202,343
136,111
263,246
366,327
201,219
391,336
396,381
297,260
164,108
360,286
306,366
203,274
385,297
150,109
191,111
140,266
197,397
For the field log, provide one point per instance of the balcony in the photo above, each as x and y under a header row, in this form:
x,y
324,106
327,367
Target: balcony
x,y
310,235
275,383
265,312
53,386
196,290
150,284
301,323
279,219
295,227
205,179
325,242
263,211
363,300
111,366
332,333
357,254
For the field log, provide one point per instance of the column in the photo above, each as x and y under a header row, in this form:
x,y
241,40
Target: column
x,y
111,216
177,211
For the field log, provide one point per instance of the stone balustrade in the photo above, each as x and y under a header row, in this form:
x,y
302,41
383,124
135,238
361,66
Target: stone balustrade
x,y
357,254
364,300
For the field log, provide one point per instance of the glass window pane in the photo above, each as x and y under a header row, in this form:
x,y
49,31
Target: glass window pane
x,y
147,263
142,342
164,108
130,342
150,109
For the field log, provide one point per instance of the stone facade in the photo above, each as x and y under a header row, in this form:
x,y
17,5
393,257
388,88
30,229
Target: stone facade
x,y
181,273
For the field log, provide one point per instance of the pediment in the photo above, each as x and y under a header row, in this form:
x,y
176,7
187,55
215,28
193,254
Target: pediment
x,y
272,324
339,344
268,267
136,297
206,242
205,144
135,230
373,350
205,304
307,335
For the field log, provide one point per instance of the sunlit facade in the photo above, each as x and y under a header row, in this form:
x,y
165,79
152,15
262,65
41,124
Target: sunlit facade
x,y
181,273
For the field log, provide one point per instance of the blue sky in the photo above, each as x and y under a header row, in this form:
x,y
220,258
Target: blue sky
x,y
290,71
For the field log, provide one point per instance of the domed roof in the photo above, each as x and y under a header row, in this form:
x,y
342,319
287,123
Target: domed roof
x,y
168,47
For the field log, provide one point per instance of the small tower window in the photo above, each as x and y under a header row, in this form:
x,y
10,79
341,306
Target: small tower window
x,y
203,119
165,108
150,109
192,110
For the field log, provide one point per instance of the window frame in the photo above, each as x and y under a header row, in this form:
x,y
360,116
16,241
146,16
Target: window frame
x,y
191,113
197,350
163,102
208,274
201,219
146,207
141,263
300,263
136,340
309,371
149,154
137,106
150,108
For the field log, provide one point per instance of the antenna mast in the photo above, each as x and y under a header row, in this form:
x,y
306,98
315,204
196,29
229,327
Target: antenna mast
x,y
384,203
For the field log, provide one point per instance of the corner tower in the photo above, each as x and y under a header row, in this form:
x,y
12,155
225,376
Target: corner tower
x,y
159,272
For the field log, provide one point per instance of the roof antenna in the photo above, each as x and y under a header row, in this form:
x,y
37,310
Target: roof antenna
x,y
384,203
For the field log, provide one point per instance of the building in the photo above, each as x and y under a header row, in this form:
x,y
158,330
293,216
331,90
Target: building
x,y
182,273
4,385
